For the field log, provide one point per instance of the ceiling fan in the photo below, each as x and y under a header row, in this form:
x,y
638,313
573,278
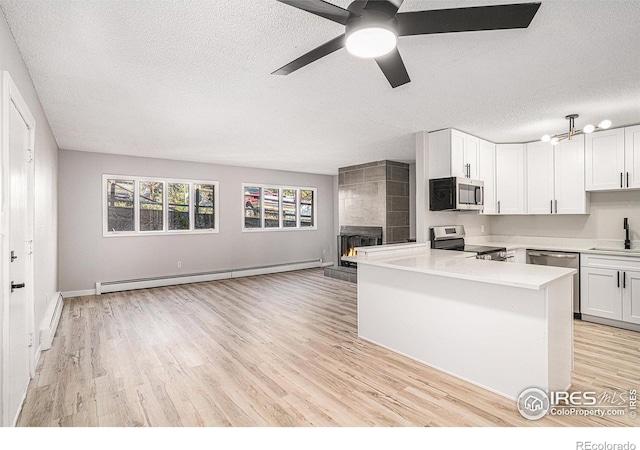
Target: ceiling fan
x,y
372,29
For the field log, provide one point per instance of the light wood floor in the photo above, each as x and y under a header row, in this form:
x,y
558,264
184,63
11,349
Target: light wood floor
x,y
276,350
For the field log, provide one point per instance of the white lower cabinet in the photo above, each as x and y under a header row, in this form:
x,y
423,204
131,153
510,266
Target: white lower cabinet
x,y
601,293
631,297
610,287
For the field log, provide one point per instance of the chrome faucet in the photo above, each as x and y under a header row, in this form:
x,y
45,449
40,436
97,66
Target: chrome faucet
x,y
627,242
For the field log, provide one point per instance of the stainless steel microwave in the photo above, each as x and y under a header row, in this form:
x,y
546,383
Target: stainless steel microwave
x,y
456,194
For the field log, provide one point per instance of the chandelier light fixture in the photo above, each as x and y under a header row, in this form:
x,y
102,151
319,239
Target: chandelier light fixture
x,y
589,128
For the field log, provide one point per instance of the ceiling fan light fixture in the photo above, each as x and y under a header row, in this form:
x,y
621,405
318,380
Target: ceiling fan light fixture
x,y
546,138
371,42
588,129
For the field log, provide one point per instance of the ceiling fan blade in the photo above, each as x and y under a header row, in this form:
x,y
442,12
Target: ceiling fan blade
x,y
393,68
315,54
320,8
386,7
495,17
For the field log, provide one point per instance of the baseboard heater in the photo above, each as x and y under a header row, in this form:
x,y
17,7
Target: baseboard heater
x,y
171,280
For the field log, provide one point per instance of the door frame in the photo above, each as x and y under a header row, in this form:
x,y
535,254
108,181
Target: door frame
x,y
9,94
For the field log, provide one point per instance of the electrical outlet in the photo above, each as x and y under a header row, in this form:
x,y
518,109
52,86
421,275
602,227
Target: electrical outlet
x,y
324,251
179,264
481,228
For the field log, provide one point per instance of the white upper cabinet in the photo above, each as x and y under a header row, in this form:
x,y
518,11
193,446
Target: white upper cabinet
x,y
632,156
605,165
453,153
569,187
540,179
487,173
510,179
555,177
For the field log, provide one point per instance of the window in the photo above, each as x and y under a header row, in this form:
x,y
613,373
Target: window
x,y
252,210
151,195
271,199
204,213
120,204
289,210
179,194
147,206
278,207
307,203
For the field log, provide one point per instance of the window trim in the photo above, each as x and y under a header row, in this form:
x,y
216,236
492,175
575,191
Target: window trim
x,y
281,188
165,210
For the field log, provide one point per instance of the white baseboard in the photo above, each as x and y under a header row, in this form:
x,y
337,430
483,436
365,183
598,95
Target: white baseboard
x,y
81,293
327,264
50,321
250,272
127,285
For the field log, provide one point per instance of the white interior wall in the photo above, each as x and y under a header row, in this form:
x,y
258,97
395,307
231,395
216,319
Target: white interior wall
x,y
46,170
87,257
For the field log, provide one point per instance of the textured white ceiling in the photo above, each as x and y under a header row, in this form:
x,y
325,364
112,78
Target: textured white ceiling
x,y
191,80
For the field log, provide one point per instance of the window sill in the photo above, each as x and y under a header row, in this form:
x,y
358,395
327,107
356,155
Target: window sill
x,y
158,233
263,230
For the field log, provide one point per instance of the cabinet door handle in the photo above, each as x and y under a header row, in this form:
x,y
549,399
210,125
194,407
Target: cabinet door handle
x,y
551,206
618,278
556,206
498,206
621,180
624,280
627,179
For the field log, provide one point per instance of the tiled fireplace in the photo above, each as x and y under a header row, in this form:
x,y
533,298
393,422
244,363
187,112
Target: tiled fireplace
x,y
372,196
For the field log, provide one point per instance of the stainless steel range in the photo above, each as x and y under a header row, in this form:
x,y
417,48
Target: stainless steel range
x,y
452,238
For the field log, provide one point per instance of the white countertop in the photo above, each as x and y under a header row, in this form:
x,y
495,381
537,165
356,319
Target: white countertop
x,y
464,266
557,244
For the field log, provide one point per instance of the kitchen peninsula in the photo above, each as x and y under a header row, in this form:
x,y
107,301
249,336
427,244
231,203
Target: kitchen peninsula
x,y
504,327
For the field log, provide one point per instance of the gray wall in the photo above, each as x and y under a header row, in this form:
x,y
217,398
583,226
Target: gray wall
x,y
46,170
605,221
86,257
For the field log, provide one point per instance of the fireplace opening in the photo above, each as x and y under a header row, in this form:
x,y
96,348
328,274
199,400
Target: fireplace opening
x,y
352,237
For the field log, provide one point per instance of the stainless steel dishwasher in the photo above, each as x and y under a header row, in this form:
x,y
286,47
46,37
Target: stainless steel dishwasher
x,y
560,259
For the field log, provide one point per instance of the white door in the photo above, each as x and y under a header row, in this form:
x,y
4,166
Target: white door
x,y
604,158
570,194
631,297
540,194
632,156
600,289
487,173
18,311
510,179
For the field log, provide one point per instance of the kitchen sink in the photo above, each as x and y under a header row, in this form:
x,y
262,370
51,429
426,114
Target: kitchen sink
x,y
619,250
